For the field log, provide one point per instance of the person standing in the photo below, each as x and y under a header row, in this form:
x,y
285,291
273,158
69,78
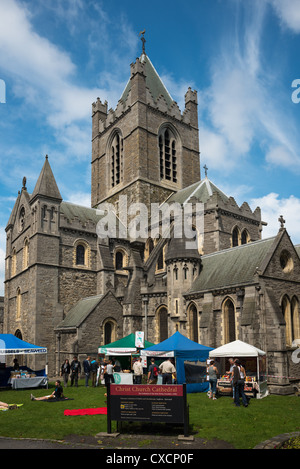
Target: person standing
x,y
75,371
87,370
65,371
167,370
108,373
239,375
94,368
212,375
231,369
152,372
138,370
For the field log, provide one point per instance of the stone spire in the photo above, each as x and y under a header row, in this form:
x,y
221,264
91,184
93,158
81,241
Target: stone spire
x,y
46,185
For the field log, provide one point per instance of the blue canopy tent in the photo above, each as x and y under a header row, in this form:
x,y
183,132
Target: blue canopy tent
x,y
182,349
12,345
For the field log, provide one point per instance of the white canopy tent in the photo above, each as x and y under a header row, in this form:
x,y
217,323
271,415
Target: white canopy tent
x,y
239,349
236,349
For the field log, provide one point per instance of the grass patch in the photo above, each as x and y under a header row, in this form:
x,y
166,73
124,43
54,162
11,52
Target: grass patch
x,y
242,427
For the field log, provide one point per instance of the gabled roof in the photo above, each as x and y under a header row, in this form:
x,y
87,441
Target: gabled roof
x,y
231,267
202,190
80,312
153,83
46,185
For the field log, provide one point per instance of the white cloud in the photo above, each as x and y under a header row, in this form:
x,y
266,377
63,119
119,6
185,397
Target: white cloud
x,y
44,75
288,12
280,156
241,111
272,207
80,198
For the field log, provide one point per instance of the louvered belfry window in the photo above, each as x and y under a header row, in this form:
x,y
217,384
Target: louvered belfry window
x,y
116,160
167,156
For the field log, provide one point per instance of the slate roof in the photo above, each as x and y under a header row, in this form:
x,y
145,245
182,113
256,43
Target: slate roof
x,y
153,83
80,312
231,267
84,214
202,190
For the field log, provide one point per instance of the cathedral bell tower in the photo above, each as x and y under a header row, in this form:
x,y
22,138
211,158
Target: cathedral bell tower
x,y
146,148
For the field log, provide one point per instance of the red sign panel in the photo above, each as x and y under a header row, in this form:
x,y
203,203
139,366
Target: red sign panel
x,y
146,390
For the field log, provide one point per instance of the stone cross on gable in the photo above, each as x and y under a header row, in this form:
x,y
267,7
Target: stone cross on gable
x,y
281,221
205,169
143,40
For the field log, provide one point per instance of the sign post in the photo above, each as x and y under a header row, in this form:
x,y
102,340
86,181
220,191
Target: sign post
x,y
147,403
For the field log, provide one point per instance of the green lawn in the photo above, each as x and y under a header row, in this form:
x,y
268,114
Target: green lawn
x,y
242,427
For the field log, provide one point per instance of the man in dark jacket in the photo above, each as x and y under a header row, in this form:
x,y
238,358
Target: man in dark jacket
x,y
87,370
75,371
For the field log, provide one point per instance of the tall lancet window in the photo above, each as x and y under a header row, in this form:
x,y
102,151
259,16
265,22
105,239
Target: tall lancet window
x,y
116,160
167,155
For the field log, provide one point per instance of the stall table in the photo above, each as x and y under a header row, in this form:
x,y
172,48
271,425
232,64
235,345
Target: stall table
x,y
27,382
224,387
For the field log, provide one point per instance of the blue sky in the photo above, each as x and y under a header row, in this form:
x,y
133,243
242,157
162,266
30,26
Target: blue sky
x,y
242,56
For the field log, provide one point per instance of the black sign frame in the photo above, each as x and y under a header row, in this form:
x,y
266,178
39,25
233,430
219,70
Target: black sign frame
x,y
147,403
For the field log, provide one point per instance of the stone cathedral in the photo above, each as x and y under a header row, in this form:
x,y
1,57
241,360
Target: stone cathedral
x,y
71,291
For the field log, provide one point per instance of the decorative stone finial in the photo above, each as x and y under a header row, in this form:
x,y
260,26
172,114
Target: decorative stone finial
x,y
143,40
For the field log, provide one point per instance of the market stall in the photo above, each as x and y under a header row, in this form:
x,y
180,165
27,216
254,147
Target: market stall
x,y
254,362
190,358
24,377
125,351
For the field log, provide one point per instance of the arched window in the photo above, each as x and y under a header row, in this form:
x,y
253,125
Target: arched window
x,y
245,238
193,322
295,318
109,331
229,325
286,312
167,155
18,334
14,262
116,155
162,316
81,254
160,261
18,304
235,237
119,260
26,254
